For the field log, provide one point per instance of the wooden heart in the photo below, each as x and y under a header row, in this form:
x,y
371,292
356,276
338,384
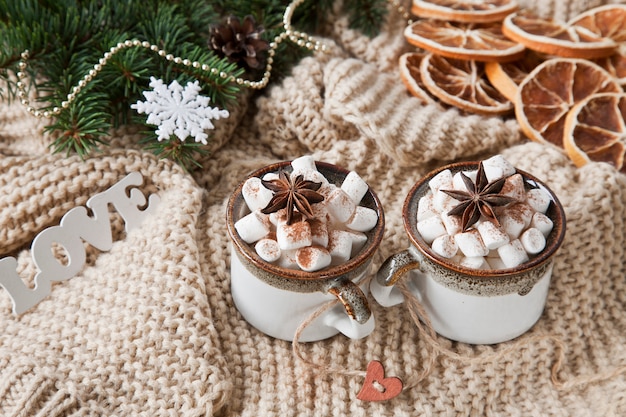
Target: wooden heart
x,y
378,388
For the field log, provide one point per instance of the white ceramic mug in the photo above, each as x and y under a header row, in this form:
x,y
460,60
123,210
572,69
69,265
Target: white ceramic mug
x,y
470,305
277,300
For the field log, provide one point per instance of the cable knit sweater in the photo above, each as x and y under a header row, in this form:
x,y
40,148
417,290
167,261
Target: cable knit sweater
x,y
149,328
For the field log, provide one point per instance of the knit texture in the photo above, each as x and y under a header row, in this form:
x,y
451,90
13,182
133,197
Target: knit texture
x,y
150,328
132,334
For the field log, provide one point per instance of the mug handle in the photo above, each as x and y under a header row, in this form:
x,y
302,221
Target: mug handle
x,y
397,265
353,299
359,321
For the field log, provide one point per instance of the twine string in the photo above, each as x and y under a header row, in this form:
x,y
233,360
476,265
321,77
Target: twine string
x,y
296,345
420,318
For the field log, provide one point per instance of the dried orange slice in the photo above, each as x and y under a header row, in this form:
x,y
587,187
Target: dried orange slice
x,y
461,83
506,76
548,93
595,130
556,38
409,64
470,11
615,65
605,21
463,41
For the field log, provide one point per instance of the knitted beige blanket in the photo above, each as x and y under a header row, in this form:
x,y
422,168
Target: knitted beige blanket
x,y
148,328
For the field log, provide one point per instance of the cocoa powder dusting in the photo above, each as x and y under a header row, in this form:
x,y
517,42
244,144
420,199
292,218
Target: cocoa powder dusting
x,y
519,212
298,231
305,257
317,227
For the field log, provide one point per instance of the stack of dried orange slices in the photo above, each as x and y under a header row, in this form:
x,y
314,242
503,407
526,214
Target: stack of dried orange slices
x,y
453,49
563,79
564,87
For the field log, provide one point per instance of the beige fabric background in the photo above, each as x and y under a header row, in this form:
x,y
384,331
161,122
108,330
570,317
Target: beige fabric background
x,y
149,328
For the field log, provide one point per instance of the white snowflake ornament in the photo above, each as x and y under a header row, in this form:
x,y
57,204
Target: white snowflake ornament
x,y
178,111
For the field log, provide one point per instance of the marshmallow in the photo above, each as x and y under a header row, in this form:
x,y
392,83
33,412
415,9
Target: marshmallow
x,y
493,236
513,254
326,189
319,211
363,220
354,186
542,222
319,232
514,187
525,211
288,259
431,228
515,218
293,236
474,262
495,263
470,243
305,166
279,216
255,194
271,176
457,180
304,163
533,241
445,246
340,206
268,250
358,240
426,207
253,226
339,246
452,223
538,199
441,180
312,258
312,175
497,167
513,226
443,202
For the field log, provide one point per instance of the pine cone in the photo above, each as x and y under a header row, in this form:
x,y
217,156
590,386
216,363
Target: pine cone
x,y
241,43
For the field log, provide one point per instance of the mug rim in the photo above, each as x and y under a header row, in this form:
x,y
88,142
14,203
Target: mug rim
x,y
556,236
247,251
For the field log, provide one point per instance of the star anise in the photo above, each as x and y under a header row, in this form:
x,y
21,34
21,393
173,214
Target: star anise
x,y
292,192
481,197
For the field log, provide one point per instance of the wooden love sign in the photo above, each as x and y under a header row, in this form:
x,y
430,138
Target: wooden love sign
x,y
76,226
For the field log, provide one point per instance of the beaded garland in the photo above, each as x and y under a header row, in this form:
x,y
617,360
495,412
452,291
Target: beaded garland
x,y
299,38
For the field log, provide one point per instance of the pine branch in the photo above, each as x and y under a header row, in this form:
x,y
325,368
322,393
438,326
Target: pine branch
x,y
183,153
366,15
83,127
66,38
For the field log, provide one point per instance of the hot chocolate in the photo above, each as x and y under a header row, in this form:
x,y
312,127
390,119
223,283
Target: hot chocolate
x,y
300,220
489,218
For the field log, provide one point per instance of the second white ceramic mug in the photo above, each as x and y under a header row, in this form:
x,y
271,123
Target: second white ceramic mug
x,y
463,304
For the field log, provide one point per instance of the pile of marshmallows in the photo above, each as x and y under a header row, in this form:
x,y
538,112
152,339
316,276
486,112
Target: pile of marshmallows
x,y
523,228
332,237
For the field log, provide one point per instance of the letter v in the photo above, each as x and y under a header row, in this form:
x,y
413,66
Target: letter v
x,y
94,230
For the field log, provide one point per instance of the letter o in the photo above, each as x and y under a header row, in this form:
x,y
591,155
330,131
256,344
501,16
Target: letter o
x,y
50,267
